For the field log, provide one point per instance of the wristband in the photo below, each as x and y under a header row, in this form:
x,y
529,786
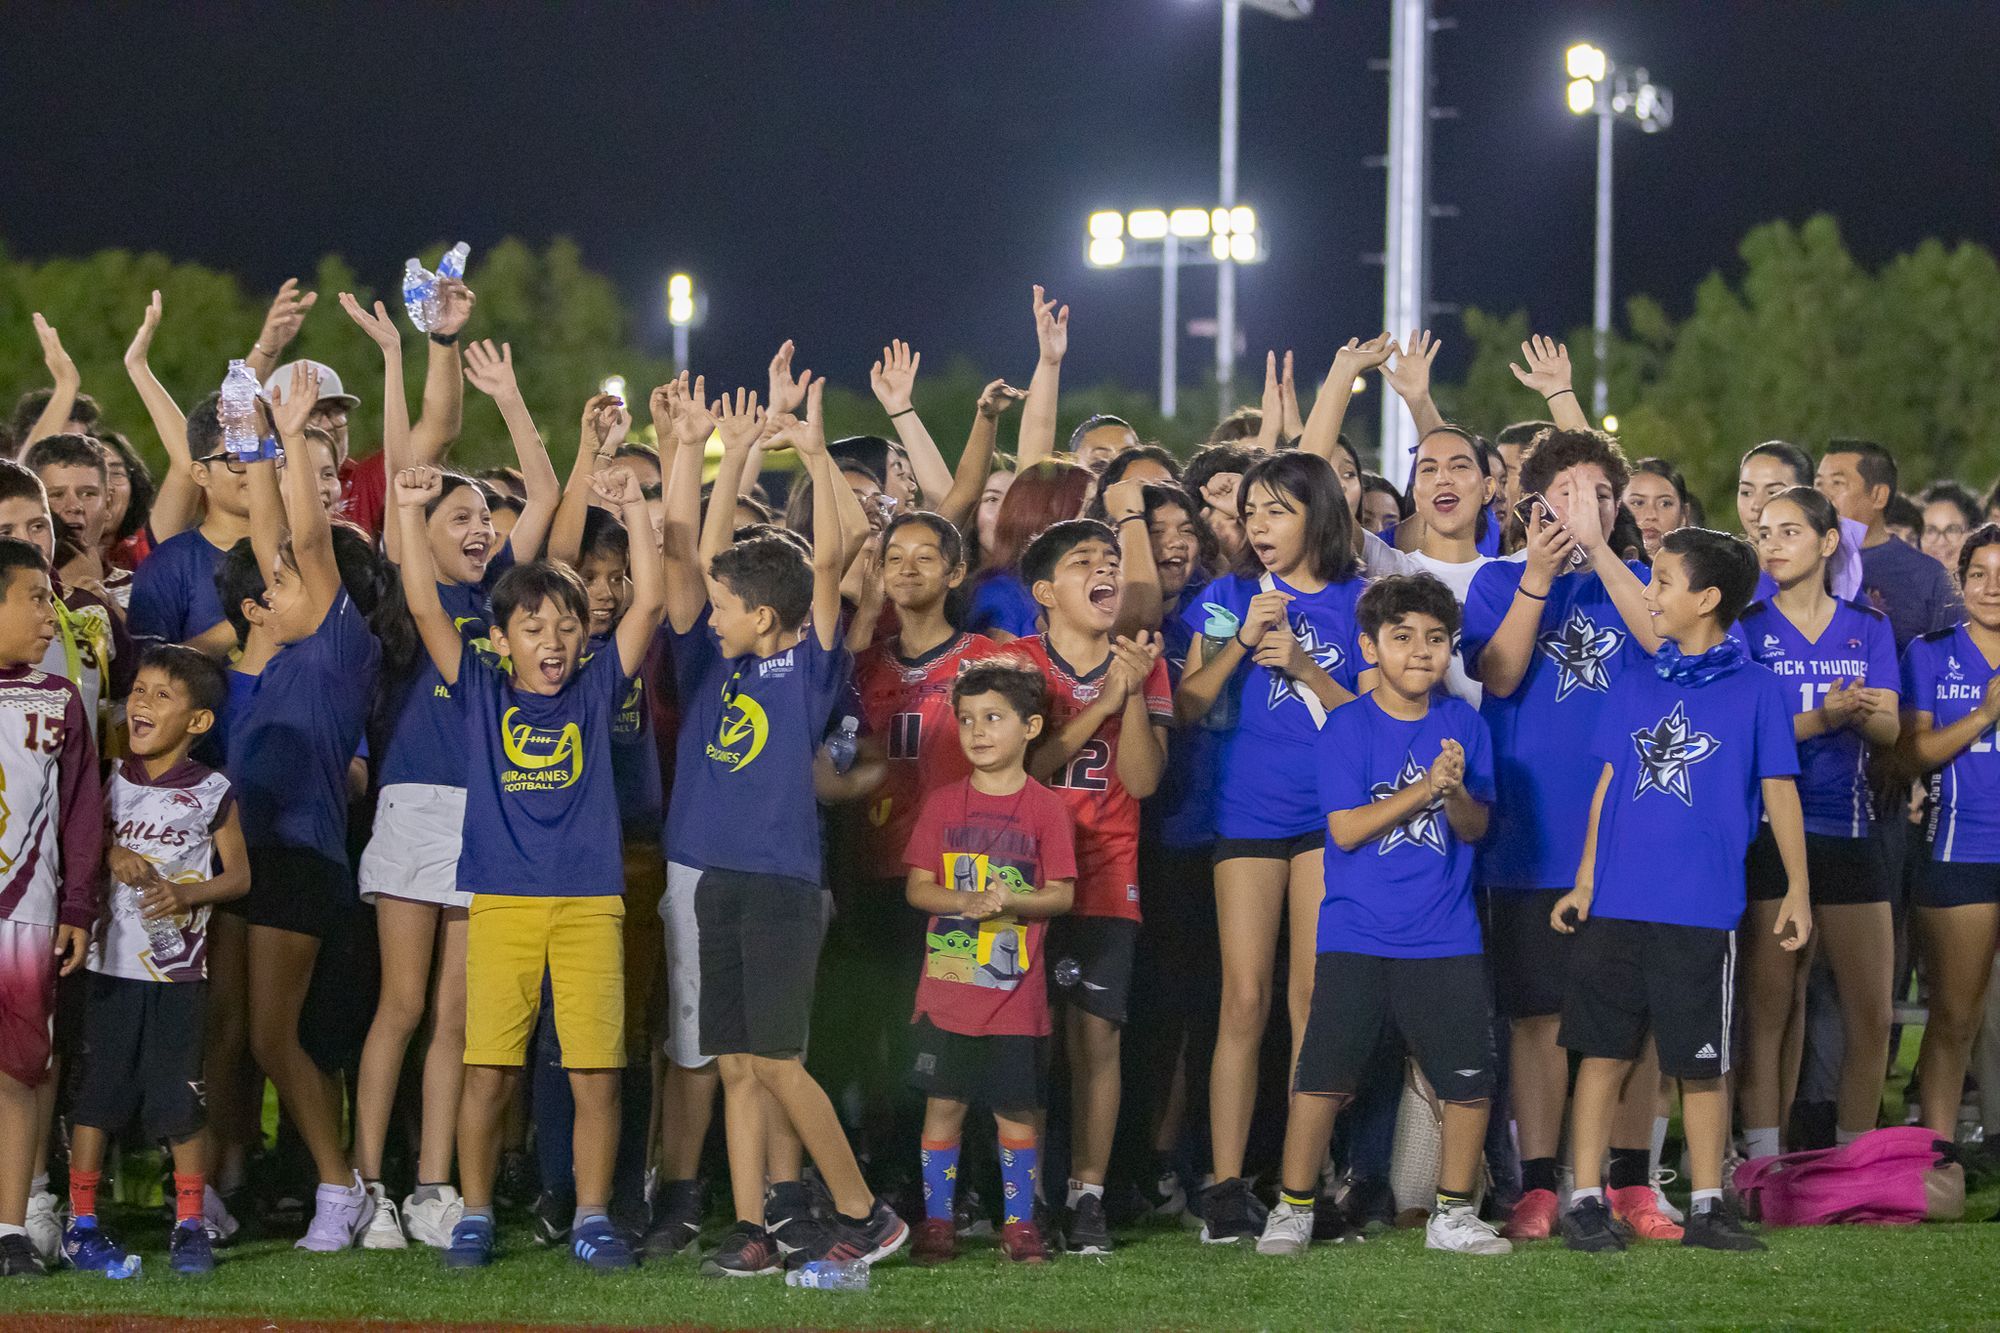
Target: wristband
x,y
1238,636
444,339
1537,596
1130,518
267,451
905,412
1557,394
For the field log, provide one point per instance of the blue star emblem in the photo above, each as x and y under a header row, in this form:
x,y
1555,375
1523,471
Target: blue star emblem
x,y
1423,829
1580,649
1666,751
1322,651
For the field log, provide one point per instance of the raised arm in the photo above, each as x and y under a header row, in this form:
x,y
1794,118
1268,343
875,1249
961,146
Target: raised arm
x,y
1140,605
411,490
281,324
893,378
618,488
1410,377
1504,661
1288,389
444,390
1548,374
177,505
829,551
1037,440
1586,521
1322,432
1270,409
787,394
491,372
976,462
680,501
311,529
62,370
382,331
603,429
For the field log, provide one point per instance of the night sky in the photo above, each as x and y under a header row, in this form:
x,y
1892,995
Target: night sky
x,y
842,172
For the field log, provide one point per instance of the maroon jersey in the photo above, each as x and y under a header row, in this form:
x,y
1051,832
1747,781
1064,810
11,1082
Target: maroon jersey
x,y
51,803
907,702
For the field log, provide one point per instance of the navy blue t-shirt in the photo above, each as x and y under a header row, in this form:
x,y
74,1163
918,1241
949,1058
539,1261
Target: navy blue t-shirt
x,y
541,811
1408,893
1910,588
1687,764
173,590
1855,645
1181,813
1945,674
635,749
1542,731
426,737
743,787
1000,600
296,731
1267,787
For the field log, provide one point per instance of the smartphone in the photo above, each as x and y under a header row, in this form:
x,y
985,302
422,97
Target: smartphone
x,y
1525,511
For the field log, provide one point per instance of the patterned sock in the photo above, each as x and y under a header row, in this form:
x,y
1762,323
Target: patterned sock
x,y
1020,1169
940,1165
1628,1167
83,1192
187,1196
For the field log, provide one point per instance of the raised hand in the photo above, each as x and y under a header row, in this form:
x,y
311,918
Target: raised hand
x,y
281,322
786,391
693,422
1547,372
600,419
1551,547
454,306
1051,328
290,413
1410,376
661,404
1357,358
1265,612
142,341
1124,497
378,326
617,487
739,422
1585,519
1295,422
807,436
894,375
61,369
997,397
491,370
418,486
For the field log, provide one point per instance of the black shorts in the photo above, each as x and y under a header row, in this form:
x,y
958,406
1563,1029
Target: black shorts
x,y
759,939
1530,960
142,1048
1844,871
292,888
1270,849
1631,977
1008,1074
1439,1005
1957,883
1091,963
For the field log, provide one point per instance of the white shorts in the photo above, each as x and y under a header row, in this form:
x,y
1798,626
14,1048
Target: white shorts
x,y
413,851
683,1036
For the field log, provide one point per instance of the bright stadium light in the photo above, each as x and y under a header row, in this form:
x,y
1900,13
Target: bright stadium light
x,y
1148,224
1218,246
681,312
1108,226
1188,223
1582,96
1106,251
1242,218
1584,61
1610,424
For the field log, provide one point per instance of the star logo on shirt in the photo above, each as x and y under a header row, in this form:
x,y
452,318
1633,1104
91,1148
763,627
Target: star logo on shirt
x,y
1667,749
1423,829
1322,651
1580,650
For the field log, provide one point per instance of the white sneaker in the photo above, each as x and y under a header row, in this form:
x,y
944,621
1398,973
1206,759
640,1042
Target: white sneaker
x,y
1288,1230
340,1214
1662,1178
430,1221
215,1217
45,1228
1459,1230
385,1229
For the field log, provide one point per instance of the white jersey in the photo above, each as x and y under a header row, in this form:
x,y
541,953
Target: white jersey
x,y
51,807
171,821
1381,559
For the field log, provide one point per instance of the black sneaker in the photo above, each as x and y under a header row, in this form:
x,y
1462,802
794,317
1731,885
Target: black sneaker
x,y
1331,1223
676,1221
1230,1212
1587,1227
1718,1227
746,1251
554,1212
1088,1232
1368,1205
18,1258
968,1214
789,1220
850,1240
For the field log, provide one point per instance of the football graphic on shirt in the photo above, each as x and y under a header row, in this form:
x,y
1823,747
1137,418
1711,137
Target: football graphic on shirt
x,y
1667,749
1580,650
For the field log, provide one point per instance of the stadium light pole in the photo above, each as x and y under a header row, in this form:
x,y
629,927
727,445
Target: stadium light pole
x,y
1599,87
681,315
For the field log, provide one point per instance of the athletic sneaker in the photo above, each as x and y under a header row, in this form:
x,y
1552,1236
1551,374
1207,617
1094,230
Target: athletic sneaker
x,y
89,1250
875,1238
676,1220
554,1211
1288,1230
1087,1231
45,1228
1662,1178
216,1218
1230,1212
1369,1205
1718,1227
789,1221
18,1258
385,1228
746,1251
429,1221
1332,1224
968,1214
340,1214
1534,1217
1457,1228
598,1245
1022,1243
471,1243
188,1250
936,1242
1635,1206
1166,1198
1587,1227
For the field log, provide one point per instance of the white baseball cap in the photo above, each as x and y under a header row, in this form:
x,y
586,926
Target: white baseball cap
x,y
330,386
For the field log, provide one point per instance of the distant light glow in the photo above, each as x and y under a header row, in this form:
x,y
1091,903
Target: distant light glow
x,y
1584,61
613,384
1610,425
1582,96
680,310
680,285
1218,221
1242,218
1107,251
1148,224
1243,248
1188,223
1360,385
1107,226
1218,245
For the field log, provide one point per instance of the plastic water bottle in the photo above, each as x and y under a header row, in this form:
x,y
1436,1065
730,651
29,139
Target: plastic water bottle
x,y
827,1275
238,409
453,263
420,295
1216,633
840,748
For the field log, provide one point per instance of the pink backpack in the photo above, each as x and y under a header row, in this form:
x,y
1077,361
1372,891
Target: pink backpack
x,y
1887,1177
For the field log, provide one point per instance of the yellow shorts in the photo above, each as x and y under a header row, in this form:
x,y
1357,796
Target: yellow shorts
x,y
510,940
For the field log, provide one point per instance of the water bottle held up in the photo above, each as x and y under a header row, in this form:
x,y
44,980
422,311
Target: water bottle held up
x,y
238,410
453,263
841,748
827,1275
420,295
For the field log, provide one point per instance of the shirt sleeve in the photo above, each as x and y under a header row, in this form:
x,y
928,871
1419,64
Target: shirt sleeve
x,y
1478,743
224,803
1057,837
1160,695
157,607
1946,609
1486,603
365,488
1881,645
1919,679
1777,753
82,813
922,851
347,636
1342,758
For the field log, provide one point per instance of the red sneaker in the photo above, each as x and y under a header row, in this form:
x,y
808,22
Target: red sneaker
x,y
1534,1217
936,1242
1022,1242
1637,1208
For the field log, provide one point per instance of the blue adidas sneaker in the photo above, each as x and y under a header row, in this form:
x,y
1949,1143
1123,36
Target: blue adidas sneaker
x,y
597,1244
471,1243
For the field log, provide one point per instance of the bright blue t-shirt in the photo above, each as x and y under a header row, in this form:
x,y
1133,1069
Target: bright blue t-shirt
x,y
1945,674
1268,772
1544,728
1685,795
1182,812
296,730
1408,893
743,788
1002,601
1856,644
173,590
426,738
635,751
541,811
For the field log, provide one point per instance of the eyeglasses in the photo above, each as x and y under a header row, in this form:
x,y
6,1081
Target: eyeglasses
x,y
1952,533
223,457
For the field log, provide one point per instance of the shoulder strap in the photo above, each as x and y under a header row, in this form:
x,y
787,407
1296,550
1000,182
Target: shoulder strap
x,y
1299,691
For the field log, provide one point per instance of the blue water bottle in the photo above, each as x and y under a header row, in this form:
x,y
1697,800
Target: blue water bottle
x,y
1216,634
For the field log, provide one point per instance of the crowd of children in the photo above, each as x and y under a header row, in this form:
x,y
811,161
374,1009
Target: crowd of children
x,y
473,813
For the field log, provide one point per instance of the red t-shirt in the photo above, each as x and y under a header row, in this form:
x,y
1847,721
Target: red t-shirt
x,y
907,702
984,978
1106,815
364,492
